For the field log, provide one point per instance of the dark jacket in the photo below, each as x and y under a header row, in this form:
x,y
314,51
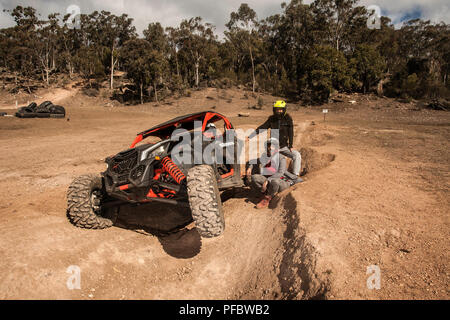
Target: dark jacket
x,y
285,125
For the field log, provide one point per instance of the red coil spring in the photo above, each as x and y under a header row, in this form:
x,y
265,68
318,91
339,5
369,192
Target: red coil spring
x,y
173,170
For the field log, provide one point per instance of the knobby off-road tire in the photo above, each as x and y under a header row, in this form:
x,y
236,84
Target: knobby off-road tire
x,y
57,115
44,107
204,200
81,210
59,110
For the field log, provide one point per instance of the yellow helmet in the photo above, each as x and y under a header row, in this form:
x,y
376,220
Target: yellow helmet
x,y
280,104
279,109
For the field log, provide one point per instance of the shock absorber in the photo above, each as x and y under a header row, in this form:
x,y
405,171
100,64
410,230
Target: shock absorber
x,y
173,170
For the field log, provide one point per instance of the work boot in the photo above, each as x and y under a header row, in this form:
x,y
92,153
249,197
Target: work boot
x,y
264,203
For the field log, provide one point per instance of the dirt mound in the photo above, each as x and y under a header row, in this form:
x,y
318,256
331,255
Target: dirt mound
x,y
312,160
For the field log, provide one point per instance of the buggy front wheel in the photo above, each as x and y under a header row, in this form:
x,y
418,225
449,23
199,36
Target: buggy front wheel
x,y
85,199
204,200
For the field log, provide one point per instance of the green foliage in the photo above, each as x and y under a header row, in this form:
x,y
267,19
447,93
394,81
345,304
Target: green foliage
x,y
157,38
144,65
89,63
411,84
325,69
369,66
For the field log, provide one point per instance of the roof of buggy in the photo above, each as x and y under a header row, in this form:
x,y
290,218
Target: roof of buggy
x,y
164,130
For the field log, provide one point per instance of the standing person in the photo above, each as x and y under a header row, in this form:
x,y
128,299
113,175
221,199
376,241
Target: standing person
x,y
269,176
282,121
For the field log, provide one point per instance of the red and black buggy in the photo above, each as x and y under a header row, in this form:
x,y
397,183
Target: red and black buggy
x,y
147,173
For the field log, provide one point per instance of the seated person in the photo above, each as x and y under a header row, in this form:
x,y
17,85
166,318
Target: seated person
x,y
270,176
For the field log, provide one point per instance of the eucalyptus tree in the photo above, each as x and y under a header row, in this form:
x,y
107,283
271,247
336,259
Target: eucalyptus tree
x,y
144,64
196,41
108,33
242,31
47,44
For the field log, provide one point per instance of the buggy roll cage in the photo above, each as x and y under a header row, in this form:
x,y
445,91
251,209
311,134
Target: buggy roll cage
x,y
164,130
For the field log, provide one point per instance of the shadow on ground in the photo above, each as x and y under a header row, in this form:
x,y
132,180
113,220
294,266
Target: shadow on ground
x,y
242,193
170,224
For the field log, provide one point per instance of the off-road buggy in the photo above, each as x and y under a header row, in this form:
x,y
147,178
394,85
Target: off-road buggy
x,y
45,110
151,173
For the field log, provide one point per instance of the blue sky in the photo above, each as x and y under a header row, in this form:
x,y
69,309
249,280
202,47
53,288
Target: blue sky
x,y
412,14
171,12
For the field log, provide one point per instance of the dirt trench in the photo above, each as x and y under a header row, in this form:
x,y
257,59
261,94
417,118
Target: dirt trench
x,y
296,258
289,272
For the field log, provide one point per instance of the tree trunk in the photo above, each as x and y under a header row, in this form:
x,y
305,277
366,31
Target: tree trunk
x,y
197,65
142,95
112,69
156,92
380,91
70,71
253,69
178,67
380,86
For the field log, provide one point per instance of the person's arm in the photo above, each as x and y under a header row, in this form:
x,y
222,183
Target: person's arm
x,y
265,125
264,186
248,173
250,166
290,132
248,169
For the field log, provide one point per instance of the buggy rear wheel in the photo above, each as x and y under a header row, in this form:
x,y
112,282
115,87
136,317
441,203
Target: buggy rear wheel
x,y
85,198
204,200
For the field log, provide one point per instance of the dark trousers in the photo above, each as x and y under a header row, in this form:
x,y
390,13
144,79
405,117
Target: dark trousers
x,y
274,186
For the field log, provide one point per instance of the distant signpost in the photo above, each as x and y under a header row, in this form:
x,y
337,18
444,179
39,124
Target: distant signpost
x,y
325,111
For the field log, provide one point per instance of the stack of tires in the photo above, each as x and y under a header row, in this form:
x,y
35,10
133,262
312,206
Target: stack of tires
x,y
45,110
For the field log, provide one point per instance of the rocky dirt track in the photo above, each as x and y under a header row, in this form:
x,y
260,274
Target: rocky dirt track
x,y
376,193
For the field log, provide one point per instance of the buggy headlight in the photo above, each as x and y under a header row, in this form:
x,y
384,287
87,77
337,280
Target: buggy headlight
x,y
158,151
155,150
